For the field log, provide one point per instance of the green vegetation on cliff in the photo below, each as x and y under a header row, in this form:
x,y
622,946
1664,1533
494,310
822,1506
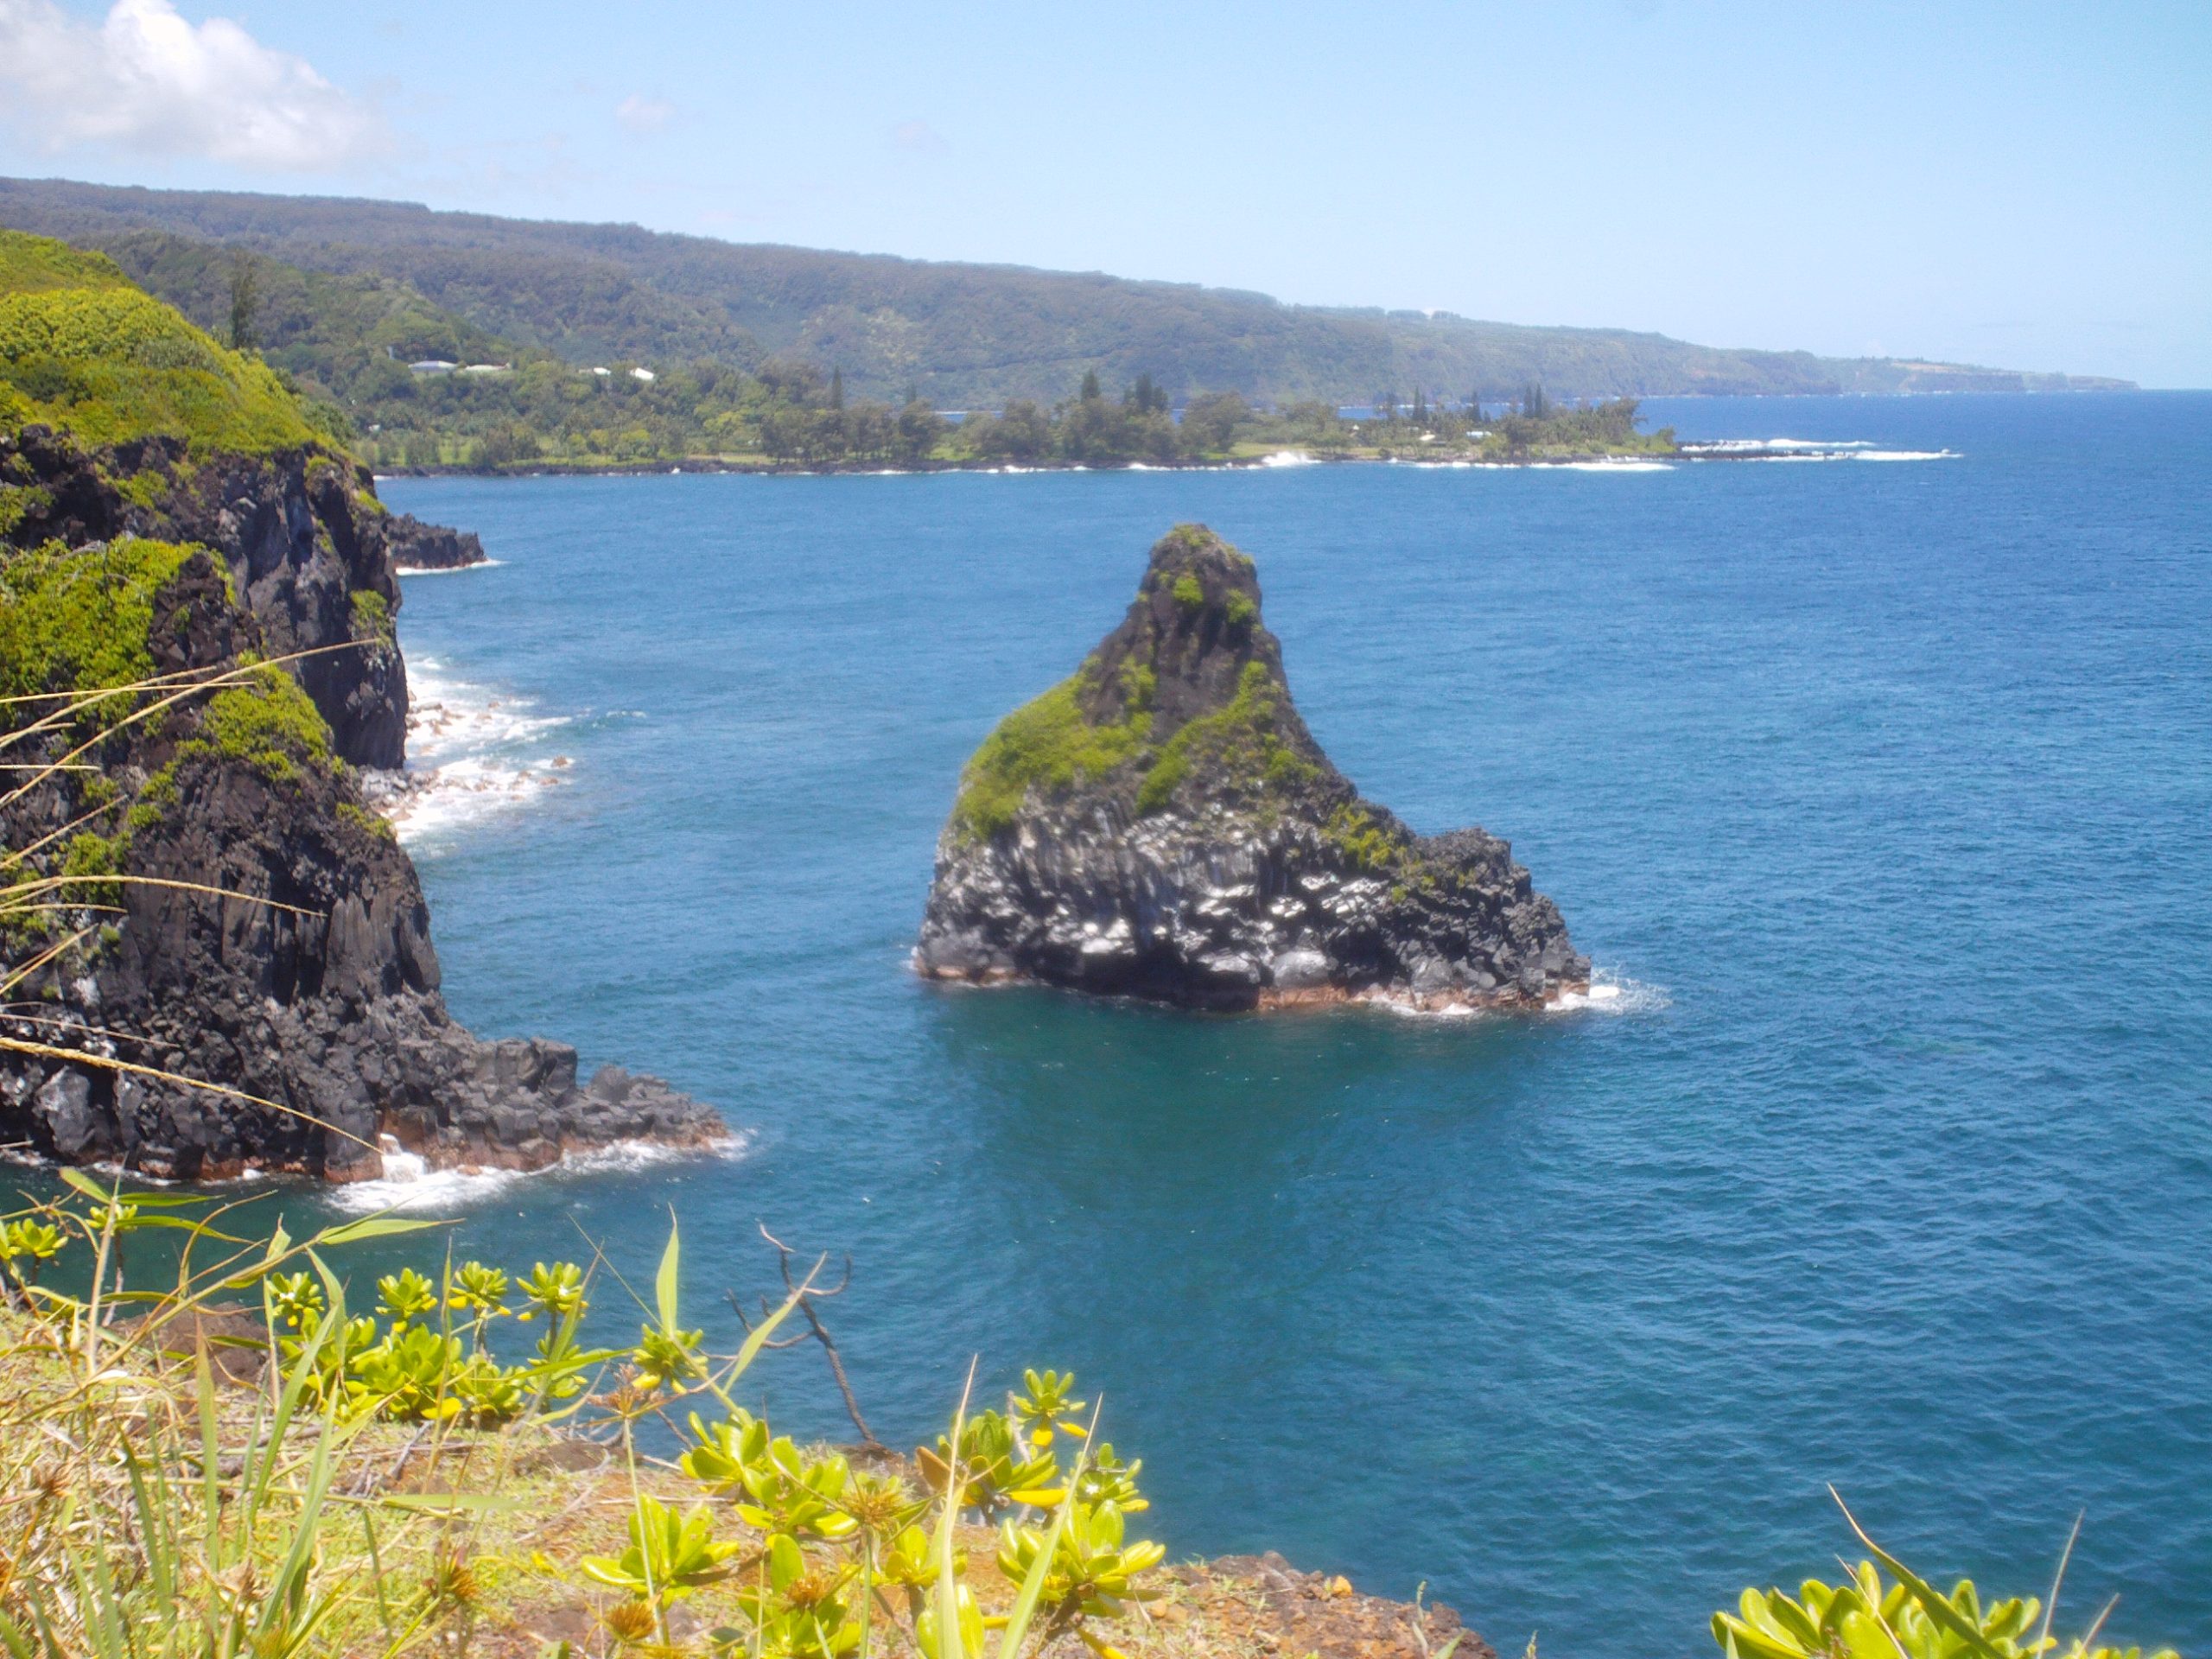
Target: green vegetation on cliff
x,y
83,350
1047,744
1240,747
269,722
75,620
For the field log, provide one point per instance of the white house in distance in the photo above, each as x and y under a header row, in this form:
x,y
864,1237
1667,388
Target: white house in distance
x,y
646,375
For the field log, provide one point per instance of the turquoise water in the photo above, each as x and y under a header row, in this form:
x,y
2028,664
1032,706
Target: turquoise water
x,y
1883,789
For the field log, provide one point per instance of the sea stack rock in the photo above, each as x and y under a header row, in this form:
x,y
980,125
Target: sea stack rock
x,y
1162,825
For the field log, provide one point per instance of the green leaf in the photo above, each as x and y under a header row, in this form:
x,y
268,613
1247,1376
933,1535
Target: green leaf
x,y
86,1184
665,1281
354,1232
1933,1602
137,1223
1033,1582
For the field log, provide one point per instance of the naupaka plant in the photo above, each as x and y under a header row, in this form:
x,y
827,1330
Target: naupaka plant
x,y
1905,1616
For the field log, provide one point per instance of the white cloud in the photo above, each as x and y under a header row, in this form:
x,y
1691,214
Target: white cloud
x,y
644,114
148,81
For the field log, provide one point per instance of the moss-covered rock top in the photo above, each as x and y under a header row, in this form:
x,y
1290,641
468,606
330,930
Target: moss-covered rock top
x,y
83,350
1184,701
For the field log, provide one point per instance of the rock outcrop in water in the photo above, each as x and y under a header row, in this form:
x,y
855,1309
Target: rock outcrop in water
x,y
313,996
1162,825
414,545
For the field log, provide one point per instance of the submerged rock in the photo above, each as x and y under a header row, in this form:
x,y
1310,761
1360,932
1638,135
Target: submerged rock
x,y
1163,825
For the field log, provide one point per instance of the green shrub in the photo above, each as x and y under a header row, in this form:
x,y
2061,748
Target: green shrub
x,y
1904,1617
1364,841
85,350
371,614
1047,744
71,619
267,722
1188,593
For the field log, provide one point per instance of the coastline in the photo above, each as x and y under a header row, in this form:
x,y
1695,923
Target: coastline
x,y
1275,461
1625,461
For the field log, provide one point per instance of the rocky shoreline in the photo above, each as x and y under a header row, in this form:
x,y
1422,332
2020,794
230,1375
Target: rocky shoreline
x,y
1163,826
305,990
415,546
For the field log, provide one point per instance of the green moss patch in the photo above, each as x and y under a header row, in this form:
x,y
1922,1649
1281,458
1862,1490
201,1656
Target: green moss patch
x,y
269,723
371,615
368,822
1241,746
1047,744
91,863
81,619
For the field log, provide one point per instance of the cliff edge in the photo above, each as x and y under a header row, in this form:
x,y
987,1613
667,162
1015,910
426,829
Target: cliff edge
x,y
170,514
1162,825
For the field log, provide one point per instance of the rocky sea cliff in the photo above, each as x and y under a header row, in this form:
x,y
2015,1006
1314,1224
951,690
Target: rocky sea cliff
x,y
307,990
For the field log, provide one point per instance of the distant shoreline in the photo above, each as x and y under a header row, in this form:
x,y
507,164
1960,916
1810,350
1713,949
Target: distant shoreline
x,y
1280,461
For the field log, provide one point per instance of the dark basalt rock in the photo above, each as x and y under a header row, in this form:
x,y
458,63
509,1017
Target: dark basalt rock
x,y
316,991
1163,825
301,530
414,545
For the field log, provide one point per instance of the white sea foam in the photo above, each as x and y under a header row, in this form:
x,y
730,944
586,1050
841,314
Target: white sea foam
x,y
1408,1011
1288,458
1761,446
472,754
1772,450
408,1183
444,569
1607,994
1624,465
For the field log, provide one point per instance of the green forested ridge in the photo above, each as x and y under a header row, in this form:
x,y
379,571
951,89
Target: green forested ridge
x,y
961,335
345,343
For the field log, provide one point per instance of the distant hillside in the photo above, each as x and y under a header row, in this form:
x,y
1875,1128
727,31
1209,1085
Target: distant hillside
x,y
965,335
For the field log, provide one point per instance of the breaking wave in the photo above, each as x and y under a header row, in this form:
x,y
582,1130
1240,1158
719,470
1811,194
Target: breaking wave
x,y
408,1182
1805,449
472,753
445,569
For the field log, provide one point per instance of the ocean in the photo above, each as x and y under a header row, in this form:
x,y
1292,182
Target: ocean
x,y
1880,789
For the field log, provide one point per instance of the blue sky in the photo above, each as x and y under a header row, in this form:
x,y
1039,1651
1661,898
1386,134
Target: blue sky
x,y
2022,185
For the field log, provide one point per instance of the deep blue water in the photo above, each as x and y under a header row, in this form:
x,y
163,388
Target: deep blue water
x,y
1885,788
